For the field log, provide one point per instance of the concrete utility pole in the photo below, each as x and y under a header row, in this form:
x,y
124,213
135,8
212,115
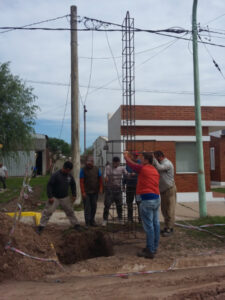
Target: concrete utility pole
x,y
75,133
198,126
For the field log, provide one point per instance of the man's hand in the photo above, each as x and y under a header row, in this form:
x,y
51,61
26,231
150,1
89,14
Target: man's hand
x,y
74,198
106,179
51,200
83,195
125,153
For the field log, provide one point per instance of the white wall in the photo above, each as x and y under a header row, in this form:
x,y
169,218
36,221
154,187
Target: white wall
x,y
114,134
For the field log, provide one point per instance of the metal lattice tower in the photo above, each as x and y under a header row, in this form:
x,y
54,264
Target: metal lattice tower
x,y
128,81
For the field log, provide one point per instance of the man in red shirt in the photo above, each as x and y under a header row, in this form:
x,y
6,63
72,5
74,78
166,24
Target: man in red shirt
x,y
148,192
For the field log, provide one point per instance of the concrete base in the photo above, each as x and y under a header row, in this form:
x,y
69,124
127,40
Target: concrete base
x,y
193,197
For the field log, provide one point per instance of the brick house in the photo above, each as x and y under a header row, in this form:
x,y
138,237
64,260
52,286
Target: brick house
x,y
217,158
171,129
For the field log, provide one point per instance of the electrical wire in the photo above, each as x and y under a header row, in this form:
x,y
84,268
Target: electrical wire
x,y
221,94
213,60
113,58
220,16
37,23
64,114
91,65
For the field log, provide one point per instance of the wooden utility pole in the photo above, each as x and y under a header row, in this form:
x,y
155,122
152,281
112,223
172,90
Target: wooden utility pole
x,y
75,132
198,125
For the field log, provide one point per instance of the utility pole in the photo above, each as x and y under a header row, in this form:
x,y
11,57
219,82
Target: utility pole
x,y
75,133
85,111
198,126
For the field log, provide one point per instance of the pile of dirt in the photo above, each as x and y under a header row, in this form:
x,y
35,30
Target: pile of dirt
x,y
72,246
24,238
29,204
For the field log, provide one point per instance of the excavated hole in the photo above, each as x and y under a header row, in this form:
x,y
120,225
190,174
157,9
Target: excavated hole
x,y
76,246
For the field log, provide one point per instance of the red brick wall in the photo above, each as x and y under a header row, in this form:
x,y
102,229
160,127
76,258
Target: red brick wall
x,y
184,182
164,130
147,112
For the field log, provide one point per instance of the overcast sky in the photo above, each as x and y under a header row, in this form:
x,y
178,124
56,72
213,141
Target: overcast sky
x,y
163,64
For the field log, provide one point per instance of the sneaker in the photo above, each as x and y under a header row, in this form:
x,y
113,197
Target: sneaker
x,y
167,232
39,229
104,223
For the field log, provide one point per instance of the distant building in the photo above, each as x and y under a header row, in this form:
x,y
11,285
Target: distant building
x,y
171,129
99,148
37,156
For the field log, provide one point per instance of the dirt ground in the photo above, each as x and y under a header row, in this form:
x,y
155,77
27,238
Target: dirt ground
x,y
185,267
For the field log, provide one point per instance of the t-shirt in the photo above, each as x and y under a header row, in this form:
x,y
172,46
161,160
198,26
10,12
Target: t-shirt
x,y
114,176
166,172
3,171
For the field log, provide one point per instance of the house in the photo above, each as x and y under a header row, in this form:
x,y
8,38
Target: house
x,y
170,129
37,156
217,158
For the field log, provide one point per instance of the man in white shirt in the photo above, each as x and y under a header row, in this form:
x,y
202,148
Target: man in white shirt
x,y
113,193
3,175
167,189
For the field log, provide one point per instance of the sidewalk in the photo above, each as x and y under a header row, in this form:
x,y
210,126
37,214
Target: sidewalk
x,y
184,211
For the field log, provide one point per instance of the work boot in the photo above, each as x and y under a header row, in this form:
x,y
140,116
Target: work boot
x,y
77,227
93,224
145,253
39,229
167,232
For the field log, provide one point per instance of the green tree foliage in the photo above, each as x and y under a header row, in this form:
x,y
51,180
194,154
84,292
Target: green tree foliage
x,y
89,151
58,146
17,112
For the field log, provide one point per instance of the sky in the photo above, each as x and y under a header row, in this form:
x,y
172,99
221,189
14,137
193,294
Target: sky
x,y
163,65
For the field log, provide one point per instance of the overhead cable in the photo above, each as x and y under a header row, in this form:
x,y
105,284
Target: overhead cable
x,y
37,23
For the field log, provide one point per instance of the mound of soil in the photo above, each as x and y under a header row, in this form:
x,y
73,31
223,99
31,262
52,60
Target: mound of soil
x,y
17,266
31,203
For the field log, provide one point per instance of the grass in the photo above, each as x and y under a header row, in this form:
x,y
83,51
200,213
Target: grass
x,y
219,190
14,185
219,230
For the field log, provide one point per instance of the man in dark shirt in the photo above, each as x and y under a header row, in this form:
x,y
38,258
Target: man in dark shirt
x,y
57,191
91,185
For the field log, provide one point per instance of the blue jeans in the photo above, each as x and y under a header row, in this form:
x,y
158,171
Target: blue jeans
x,y
149,210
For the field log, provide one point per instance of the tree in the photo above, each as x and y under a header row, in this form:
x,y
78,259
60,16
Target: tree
x,y
58,148
17,112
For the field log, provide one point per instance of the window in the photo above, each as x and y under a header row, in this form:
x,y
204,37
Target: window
x,y
186,158
212,158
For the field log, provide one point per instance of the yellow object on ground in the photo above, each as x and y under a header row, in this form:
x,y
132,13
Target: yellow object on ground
x,y
36,215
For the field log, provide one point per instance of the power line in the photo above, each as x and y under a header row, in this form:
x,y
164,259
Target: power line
x,y
220,16
37,23
214,62
113,58
64,114
221,94
90,74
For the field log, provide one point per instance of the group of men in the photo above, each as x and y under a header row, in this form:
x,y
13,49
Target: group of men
x,y
117,179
